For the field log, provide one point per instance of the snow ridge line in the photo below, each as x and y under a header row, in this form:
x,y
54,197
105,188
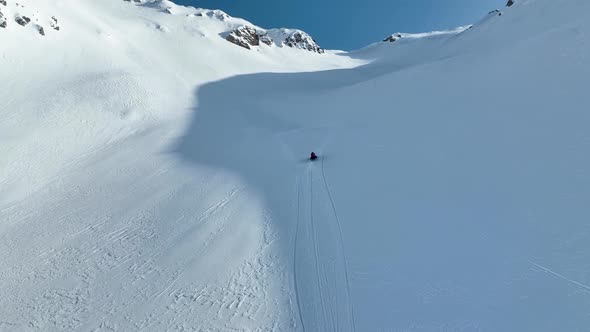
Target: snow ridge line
x,y
341,237
298,222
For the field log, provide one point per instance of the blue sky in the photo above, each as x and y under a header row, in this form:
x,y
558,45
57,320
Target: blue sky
x,y
351,24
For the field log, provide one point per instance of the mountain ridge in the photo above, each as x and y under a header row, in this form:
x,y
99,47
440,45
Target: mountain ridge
x,y
238,31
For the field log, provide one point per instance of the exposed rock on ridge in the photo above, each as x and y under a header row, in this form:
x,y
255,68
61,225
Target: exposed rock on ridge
x,y
246,37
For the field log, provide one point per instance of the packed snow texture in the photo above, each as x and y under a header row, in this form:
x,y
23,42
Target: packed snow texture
x,y
154,177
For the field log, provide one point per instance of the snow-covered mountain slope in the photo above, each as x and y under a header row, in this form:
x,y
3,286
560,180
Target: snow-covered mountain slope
x,y
432,34
99,218
154,177
243,34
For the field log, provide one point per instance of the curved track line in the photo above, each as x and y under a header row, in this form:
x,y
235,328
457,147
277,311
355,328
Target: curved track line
x,y
341,238
315,245
298,222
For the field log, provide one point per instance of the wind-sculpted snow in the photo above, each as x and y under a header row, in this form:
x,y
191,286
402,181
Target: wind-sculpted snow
x,y
154,177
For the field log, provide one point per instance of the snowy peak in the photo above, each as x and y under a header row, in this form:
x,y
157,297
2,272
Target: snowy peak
x,y
301,40
409,36
15,15
398,36
163,5
240,32
295,38
169,7
218,14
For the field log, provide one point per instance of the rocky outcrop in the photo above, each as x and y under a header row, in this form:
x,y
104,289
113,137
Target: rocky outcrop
x,y
243,36
161,5
247,37
265,38
53,23
393,38
495,12
510,3
302,40
218,14
3,2
22,20
3,22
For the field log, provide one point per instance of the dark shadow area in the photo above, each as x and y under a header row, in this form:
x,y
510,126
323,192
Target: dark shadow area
x,y
254,126
262,127
238,123
467,212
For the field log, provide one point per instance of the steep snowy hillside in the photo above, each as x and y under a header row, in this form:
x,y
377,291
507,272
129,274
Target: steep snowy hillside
x,y
99,219
154,176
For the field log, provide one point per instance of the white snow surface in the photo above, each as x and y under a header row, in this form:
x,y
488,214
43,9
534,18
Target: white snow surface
x,y
432,33
154,177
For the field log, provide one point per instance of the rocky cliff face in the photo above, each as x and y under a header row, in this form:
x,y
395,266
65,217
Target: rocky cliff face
x,y
296,39
248,37
302,40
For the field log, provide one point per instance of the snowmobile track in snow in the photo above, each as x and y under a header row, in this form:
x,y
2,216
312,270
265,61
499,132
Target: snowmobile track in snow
x,y
321,265
298,221
318,270
342,250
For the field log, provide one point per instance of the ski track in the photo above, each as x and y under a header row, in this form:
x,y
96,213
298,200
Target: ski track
x,y
295,251
327,268
315,248
342,250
